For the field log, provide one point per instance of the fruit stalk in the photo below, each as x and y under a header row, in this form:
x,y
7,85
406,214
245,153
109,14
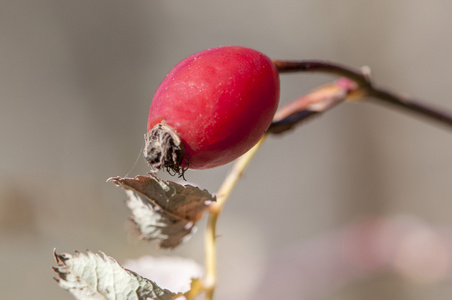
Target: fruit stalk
x,y
215,210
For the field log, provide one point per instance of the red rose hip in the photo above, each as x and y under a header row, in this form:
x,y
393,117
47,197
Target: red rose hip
x,y
210,109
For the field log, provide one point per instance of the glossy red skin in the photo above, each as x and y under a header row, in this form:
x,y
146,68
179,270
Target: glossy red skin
x,y
219,101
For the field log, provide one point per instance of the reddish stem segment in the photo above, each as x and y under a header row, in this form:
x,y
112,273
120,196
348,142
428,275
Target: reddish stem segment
x,y
362,79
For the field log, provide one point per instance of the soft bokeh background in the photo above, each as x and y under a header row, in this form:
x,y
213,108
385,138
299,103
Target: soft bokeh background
x,y
76,81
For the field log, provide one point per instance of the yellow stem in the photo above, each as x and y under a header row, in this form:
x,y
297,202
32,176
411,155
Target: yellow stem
x,y
214,211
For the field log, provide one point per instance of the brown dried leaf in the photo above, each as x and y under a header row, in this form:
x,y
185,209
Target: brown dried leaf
x,y
164,210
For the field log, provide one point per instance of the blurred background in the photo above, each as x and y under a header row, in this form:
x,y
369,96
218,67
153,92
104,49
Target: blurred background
x,y
76,81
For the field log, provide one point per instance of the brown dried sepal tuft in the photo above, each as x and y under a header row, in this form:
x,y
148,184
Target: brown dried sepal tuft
x,y
164,149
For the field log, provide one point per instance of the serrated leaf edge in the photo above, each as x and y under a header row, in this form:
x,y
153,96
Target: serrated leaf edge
x,y
60,260
118,181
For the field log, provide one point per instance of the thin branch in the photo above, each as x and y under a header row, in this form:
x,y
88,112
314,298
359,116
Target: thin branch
x,y
363,80
285,66
215,210
411,105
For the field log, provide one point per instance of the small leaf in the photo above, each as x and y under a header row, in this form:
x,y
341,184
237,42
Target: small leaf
x,y
98,277
164,210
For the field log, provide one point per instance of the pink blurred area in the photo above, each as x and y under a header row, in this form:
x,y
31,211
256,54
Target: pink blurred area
x,y
76,81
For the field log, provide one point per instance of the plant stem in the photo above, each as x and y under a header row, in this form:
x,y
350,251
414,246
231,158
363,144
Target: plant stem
x,y
411,105
362,78
286,66
215,210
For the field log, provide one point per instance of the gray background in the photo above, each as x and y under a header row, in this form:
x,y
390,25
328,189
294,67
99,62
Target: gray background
x,y
76,81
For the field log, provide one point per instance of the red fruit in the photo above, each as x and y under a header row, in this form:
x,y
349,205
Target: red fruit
x,y
211,108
